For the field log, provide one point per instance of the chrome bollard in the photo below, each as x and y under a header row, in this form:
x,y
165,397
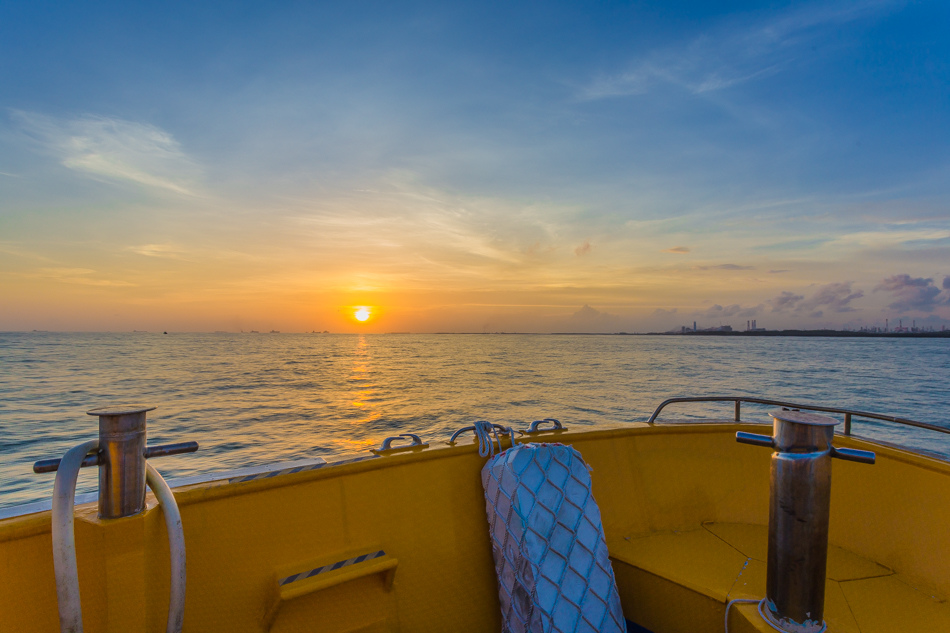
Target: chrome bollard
x,y
120,453
121,460
799,511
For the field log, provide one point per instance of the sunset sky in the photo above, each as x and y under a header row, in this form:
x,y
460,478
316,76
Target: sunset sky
x,y
535,167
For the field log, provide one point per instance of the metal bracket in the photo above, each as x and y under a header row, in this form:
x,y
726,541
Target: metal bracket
x,y
505,430
533,427
387,445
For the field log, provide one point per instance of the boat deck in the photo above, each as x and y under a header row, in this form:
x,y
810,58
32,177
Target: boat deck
x,y
703,568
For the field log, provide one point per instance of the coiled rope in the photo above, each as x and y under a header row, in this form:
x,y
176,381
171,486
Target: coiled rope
x,y
487,434
768,620
485,431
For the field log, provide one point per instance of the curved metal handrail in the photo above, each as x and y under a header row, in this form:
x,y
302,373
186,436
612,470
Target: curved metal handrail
x,y
533,427
848,413
505,430
388,442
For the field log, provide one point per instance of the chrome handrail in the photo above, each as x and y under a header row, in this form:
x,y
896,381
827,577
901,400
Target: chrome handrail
x,y
848,413
505,430
533,427
387,446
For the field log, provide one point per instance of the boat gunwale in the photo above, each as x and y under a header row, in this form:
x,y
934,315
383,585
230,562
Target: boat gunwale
x,y
35,523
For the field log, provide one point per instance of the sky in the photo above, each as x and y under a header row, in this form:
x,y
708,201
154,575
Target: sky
x,y
473,167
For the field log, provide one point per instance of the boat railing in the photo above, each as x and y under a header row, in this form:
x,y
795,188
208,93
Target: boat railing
x,y
848,413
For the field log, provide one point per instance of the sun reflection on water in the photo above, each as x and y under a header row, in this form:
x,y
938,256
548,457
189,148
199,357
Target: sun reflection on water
x,y
365,392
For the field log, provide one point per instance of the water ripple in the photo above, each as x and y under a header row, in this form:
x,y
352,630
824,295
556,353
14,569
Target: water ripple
x,y
251,399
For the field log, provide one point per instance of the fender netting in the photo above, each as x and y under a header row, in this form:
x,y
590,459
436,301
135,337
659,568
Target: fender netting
x,y
554,575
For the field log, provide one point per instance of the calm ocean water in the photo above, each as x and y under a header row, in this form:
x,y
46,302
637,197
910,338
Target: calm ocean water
x,y
252,399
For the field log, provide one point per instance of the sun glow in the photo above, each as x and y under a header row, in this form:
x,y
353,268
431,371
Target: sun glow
x,y
362,314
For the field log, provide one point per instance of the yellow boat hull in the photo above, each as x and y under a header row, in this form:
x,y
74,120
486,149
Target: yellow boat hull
x,y
684,509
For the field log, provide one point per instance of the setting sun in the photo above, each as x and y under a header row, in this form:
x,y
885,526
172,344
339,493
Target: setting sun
x,y
362,314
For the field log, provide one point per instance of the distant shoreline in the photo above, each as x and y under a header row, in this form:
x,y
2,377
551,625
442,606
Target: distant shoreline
x,y
825,333
819,333
767,333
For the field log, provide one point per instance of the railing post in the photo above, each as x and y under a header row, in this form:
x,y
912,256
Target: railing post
x,y
737,409
847,424
121,460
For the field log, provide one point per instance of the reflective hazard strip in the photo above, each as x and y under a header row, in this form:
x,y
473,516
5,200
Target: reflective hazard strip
x,y
320,570
296,469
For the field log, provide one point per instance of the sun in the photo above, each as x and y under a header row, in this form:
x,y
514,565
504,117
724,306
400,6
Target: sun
x,y
361,314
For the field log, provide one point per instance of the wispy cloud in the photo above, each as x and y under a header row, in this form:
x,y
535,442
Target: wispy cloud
x,y
887,237
734,53
408,226
722,312
836,297
587,313
20,251
725,267
114,150
785,301
589,319
80,276
677,249
914,293
157,250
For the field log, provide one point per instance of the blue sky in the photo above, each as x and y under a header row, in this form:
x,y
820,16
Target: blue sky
x,y
465,166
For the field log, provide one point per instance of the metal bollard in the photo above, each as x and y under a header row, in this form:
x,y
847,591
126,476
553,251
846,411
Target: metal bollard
x,y
121,460
120,454
799,509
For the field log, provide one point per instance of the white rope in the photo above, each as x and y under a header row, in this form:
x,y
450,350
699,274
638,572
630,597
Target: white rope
x,y
732,602
487,434
176,547
64,540
768,620
484,431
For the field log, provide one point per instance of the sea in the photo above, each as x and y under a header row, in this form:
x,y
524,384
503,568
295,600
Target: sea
x,y
252,399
